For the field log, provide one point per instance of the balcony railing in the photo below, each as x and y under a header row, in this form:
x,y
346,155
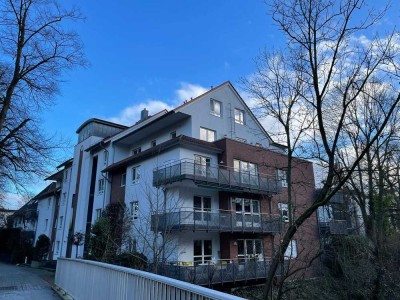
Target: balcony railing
x,y
219,272
219,221
216,177
334,227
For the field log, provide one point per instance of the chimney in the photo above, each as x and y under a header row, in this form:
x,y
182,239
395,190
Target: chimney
x,y
144,114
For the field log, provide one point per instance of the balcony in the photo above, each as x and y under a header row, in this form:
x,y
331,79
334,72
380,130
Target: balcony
x,y
219,177
220,221
219,272
334,227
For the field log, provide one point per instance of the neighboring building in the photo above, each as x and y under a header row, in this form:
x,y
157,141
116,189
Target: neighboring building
x,y
205,175
5,215
26,218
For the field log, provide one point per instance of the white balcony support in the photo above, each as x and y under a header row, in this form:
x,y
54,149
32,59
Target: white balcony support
x,y
83,279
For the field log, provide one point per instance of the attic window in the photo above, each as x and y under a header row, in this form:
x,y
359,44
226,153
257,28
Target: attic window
x,y
239,116
215,107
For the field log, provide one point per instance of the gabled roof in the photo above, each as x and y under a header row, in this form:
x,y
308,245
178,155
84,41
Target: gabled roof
x,y
49,190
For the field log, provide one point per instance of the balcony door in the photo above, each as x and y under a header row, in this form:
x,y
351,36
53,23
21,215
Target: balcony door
x,y
202,208
202,251
247,212
250,249
248,172
201,165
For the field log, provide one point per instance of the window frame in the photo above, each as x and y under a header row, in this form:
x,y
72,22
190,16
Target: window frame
x,y
123,180
134,209
239,120
213,104
207,132
135,172
291,250
284,207
282,177
101,185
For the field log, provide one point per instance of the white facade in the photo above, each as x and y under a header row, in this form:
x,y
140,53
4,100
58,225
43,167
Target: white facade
x,y
217,114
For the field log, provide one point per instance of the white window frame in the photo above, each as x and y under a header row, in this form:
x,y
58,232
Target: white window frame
x,y
203,257
123,179
283,207
254,254
239,116
291,250
101,186
282,177
134,209
135,171
209,135
216,108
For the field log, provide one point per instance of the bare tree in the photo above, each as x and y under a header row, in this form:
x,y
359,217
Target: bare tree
x,y
335,66
35,51
152,224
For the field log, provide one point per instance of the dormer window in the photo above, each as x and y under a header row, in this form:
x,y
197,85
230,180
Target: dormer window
x,y
215,107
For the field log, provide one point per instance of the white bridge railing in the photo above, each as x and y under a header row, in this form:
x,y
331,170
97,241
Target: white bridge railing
x,y
84,279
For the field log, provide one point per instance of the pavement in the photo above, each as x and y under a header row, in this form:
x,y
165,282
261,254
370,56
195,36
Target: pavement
x,y
24,282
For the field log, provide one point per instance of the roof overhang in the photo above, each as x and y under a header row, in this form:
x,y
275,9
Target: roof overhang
x,y
151,128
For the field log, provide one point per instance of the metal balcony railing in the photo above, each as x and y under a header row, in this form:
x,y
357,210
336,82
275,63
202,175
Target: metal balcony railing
x,y
215,221
334,227
220,271
220,177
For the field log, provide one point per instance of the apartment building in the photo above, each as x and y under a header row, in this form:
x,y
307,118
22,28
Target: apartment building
x,y
205,175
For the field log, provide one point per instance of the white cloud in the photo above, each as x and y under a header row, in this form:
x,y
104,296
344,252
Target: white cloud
x,y
131,114
189,90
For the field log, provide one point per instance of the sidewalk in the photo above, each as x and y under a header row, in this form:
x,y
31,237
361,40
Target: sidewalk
x,y
23,283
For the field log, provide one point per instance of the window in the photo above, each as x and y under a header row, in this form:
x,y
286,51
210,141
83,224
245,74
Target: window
x,y
105,156
215,107
60,224
239,116
98,213
291,251
135,174
282,177
284,211
201,165
123,179
250,249
57,246
247,212
207,134
134,209
46,223
202,251
202,208
248,171
65,175
101,185
48,202
173,134
153,143
136,150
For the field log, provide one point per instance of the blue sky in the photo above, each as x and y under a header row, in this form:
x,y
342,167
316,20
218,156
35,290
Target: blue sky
x,y
156,54
147,51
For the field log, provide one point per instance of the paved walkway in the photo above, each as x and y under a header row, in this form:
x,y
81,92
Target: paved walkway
x,y
23,283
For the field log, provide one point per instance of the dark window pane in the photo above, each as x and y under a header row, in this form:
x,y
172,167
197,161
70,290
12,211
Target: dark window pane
x,y
197,247
207,247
